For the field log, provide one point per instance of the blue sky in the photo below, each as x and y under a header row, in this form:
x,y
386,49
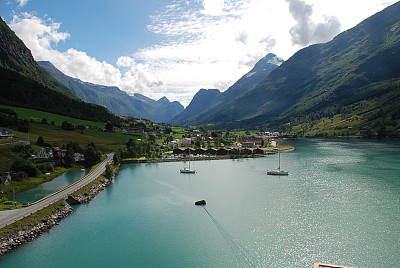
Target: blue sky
x,y
175,47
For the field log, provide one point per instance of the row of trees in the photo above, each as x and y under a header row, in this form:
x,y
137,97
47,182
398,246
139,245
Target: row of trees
x,y
134,149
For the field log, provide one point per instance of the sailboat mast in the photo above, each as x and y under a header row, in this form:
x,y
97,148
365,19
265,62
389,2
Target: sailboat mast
x,y
279,155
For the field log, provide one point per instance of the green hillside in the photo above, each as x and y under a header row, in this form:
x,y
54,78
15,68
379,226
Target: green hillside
x,y
24,84
357,73
116,100
53,133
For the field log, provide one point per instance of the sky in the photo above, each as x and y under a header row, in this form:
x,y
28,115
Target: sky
x,y
173,48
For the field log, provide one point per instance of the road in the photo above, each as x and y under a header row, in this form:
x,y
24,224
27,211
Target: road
x,y
9,216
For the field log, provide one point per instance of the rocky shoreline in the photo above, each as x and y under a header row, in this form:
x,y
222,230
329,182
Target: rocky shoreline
x,y
13,240
80,198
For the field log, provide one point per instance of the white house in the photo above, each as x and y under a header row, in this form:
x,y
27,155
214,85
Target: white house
x,y
44,153
273,143
175,143
79,157
5,134
187,141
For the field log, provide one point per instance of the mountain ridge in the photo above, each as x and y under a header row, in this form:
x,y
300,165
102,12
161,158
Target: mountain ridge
x,y
202,107
358,66
24,84
116,100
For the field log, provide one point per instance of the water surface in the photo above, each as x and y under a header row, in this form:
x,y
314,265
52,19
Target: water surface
x,y
340,204
49,187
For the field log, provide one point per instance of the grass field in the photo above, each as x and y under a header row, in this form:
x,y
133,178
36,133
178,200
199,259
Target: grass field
x,y
54,135
37,116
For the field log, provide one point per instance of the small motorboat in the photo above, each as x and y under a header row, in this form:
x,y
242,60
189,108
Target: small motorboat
x,y
200,202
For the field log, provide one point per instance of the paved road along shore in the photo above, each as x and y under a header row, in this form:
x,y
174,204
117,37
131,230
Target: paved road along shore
x,y
9,216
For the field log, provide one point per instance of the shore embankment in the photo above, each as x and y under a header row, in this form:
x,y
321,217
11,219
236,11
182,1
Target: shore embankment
x,y
202,158
27,229
90,191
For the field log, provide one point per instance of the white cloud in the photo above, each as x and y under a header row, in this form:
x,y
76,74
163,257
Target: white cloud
x,y
39,36
22,3
205,43
125,61
306,31
213,7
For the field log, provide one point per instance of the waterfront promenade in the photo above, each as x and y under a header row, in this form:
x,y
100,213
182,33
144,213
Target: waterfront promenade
x,y
9,216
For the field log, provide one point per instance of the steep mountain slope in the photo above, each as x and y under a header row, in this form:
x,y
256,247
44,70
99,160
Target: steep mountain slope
x,y
202,102
23,83
349,73
116,100
209,102
15,55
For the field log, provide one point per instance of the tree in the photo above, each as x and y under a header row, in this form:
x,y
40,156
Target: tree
x,y
69,159
74,147
91,156
67,126
109,171
117,157
109,126
40,141
45,167
24,165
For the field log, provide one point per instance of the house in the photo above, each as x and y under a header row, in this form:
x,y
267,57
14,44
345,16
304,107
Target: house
x,y
211,151
247,151
248,144
6,180
273,143
175,143
178,151
5,134
79,157
44,153
156,146
223,151
200,151
259,151
187,141
189,151
59,152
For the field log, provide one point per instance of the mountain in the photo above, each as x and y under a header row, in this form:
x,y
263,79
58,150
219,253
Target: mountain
x,y
15,55
357,73
116,100
202,101
208,102
24,84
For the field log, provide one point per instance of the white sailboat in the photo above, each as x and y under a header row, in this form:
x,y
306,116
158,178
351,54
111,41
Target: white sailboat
x,y
187,169
278,171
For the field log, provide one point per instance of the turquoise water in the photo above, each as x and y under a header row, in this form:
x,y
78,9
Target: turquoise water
x,y
340,204
49,187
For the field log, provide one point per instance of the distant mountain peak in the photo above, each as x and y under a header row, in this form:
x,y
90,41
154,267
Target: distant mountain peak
x,y
163,100
270,58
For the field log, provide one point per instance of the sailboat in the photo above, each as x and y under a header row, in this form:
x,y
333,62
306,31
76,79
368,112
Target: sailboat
x,y
187,169
278,171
